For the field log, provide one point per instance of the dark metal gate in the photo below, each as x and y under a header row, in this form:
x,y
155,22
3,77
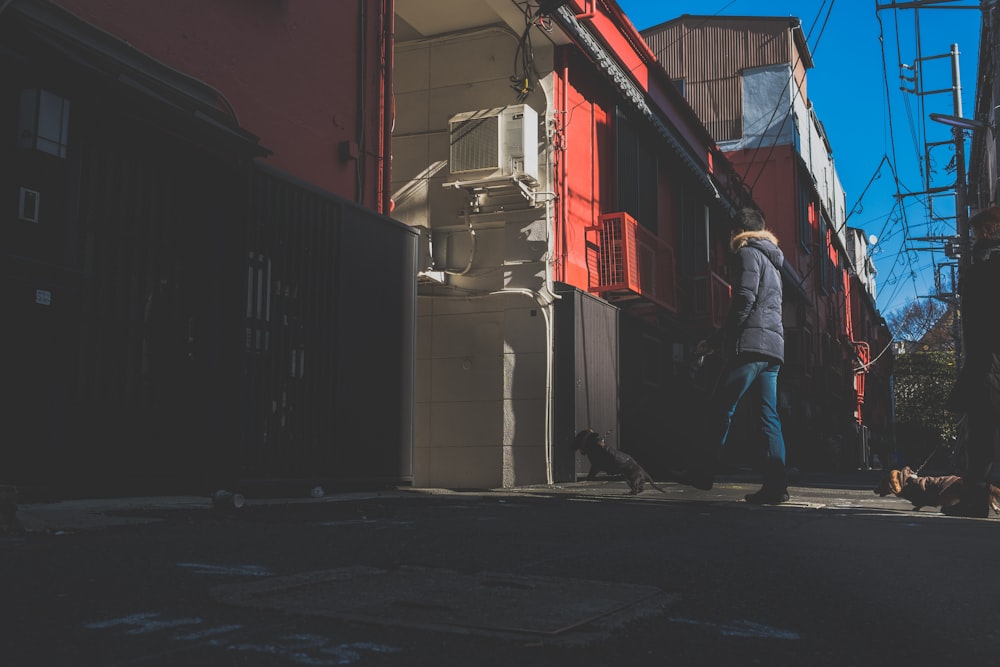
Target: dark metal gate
x,y
328,337
154,372
587,370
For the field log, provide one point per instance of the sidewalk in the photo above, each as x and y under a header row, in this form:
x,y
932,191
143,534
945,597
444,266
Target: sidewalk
x,y
95,513
807,490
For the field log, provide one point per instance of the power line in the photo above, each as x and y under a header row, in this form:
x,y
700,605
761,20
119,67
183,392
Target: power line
x,y
855,209
825,19
779,102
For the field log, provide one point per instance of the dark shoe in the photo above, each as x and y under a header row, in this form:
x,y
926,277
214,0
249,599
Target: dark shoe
x,y
767,496
974,503
967,509
699,479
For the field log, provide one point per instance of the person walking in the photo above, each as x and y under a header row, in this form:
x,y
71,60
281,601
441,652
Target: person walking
x,y
752,342
977,390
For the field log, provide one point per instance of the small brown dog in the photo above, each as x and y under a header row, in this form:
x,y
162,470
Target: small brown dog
x,y
941,492
614,462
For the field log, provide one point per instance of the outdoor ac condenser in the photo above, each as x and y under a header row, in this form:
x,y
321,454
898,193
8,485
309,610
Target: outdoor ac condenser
x,y
495,143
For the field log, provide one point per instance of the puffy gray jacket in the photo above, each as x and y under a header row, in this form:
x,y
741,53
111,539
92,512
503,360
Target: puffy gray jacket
x,y
754,324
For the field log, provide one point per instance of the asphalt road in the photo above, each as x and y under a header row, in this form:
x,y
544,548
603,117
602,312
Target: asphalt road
x,y
579,574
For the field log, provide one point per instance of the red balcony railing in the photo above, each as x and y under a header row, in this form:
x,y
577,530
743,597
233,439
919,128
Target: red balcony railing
x,y
626,261
864,355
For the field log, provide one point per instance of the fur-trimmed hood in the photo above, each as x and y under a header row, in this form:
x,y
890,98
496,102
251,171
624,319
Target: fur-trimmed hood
x,y
743,238
764,241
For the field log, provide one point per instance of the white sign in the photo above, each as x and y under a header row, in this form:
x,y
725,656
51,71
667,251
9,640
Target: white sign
x,y
43,297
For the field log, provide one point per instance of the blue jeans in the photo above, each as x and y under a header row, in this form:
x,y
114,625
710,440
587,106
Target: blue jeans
x,y
759,376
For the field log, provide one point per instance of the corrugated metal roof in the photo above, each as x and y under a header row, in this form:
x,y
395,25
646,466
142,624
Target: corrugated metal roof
x,y
710,53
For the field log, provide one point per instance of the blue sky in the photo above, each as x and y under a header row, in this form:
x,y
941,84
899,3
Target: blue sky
x,y
877,131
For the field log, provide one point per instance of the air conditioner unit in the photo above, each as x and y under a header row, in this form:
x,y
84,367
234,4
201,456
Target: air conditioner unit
x,y
495,143
630,262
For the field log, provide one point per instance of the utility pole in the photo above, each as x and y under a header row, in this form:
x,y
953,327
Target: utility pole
x,y
961,209
961,205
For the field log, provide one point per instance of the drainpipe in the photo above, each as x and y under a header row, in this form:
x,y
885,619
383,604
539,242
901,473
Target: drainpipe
x,y
546,297
388,99
563,207
362,119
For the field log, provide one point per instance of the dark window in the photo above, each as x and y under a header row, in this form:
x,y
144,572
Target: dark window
x,y
43,122
838,283
637,174
693,230
804,216
824,275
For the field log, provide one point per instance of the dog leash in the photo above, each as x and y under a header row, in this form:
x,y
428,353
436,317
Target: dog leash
x,y
928,459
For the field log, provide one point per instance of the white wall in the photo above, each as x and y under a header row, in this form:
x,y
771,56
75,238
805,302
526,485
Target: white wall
x,y
483,355
481,392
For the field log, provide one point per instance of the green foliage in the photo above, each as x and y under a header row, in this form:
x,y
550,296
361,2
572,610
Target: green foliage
x,y
924,375
923,382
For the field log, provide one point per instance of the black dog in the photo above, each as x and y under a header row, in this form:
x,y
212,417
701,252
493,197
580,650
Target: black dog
x,y
612,461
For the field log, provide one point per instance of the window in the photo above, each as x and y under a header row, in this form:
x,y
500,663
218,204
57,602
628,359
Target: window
x,y
637,174
825,274
805,217
43,122
28,204
829,351
694,230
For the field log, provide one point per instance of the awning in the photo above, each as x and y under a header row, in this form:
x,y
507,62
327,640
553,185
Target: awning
x,y
637,98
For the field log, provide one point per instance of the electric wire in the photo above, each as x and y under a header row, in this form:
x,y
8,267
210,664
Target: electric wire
x,y
857,203
525,72
903,250
780,103
815,46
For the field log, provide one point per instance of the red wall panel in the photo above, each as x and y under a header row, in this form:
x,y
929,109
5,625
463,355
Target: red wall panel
x,y
300,75
582,171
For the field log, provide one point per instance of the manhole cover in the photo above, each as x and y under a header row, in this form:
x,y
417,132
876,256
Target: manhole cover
x,y
441,599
